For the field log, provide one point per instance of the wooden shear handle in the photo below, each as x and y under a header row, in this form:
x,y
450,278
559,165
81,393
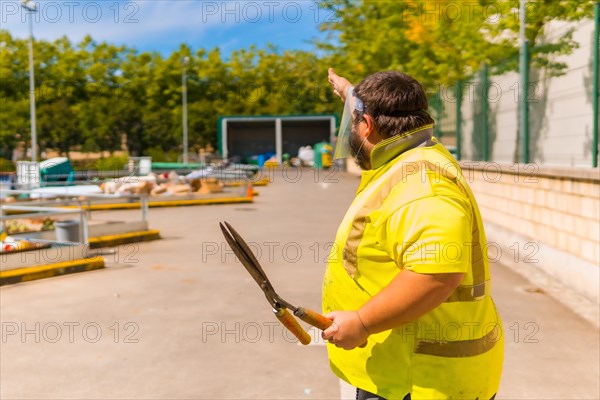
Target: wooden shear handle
x,y
313,318
292,325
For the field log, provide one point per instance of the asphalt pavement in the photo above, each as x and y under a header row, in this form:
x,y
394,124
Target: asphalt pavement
x,y
180,318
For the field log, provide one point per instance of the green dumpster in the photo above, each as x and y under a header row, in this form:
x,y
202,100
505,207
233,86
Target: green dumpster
x,y
323,155
57,169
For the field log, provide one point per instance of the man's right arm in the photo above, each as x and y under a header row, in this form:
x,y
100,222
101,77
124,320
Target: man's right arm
x,y
339,84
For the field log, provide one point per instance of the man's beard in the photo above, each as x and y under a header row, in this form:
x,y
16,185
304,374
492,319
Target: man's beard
x,y
358,151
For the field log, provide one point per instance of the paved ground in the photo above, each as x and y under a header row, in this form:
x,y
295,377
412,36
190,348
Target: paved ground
x,y
180,319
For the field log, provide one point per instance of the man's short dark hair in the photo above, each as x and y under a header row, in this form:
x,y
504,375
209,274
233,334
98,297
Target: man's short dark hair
x,y
396,101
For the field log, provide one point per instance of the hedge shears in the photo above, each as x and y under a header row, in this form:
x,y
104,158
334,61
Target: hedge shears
x,y
280,306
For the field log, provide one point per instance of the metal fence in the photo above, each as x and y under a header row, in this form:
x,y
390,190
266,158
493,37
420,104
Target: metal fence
x,y
66,204
484,117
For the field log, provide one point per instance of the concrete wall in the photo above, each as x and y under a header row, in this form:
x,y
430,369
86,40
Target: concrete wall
x,y
503,117
561,116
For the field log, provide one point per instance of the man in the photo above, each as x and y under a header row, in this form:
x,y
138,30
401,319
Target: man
x,y
408,289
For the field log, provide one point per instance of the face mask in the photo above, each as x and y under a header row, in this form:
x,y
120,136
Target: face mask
x,y
343,148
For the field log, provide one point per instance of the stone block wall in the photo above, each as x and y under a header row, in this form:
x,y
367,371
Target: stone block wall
x,y
559,207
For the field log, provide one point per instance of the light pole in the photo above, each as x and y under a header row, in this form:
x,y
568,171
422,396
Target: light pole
x,y
185,62
31,7
524,71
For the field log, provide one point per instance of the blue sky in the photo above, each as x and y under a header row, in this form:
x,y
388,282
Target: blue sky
x,y
162,25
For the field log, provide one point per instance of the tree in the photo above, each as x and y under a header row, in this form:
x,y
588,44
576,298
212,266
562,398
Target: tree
x,y
90,95
442,41
58,126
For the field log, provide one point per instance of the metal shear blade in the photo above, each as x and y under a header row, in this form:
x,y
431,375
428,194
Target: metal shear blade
x,y
249,261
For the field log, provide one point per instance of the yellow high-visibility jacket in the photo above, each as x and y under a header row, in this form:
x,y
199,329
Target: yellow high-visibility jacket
x,y
414,211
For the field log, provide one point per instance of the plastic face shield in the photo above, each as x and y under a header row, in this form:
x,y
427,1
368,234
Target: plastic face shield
x,y
342,147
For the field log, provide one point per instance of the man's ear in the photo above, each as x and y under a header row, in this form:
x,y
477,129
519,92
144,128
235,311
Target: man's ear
x,y
369,124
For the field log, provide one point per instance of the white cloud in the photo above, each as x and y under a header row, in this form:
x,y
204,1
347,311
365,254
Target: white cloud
x,y
114,21
130,22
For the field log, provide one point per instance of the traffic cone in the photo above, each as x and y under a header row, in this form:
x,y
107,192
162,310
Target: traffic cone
x,y
250,191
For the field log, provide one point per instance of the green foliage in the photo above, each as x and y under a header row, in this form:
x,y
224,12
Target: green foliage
x,y
6,165
96,96
159,155
112,163
442,41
